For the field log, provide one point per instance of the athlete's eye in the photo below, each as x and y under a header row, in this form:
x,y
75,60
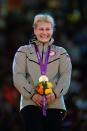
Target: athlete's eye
x,y
41,29
48,29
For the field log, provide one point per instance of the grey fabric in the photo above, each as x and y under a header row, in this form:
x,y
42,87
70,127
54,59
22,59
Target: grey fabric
x,y
26,73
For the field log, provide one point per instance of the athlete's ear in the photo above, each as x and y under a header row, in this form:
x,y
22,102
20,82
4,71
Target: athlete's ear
x,y
35,31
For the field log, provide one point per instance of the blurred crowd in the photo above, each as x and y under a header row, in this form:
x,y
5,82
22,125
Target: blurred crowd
x,y
16,28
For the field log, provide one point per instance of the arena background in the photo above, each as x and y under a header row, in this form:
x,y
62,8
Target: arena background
x,y
16,28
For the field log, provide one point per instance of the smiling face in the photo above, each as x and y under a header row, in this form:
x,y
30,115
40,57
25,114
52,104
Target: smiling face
x,y
43,31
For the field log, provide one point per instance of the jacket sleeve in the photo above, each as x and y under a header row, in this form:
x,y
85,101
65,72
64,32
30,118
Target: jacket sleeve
x,y
19,74
65,68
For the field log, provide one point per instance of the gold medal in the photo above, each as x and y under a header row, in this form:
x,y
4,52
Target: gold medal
x,y
43,78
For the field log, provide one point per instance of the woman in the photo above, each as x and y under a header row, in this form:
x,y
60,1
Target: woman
x,y
27,71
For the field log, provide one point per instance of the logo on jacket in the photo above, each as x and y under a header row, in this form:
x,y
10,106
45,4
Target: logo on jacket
x,y
52,53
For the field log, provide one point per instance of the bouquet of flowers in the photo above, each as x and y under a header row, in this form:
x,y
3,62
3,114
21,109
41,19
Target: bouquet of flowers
x,y
43,87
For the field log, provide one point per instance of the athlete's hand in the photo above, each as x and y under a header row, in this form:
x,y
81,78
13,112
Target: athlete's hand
x,y
38,99
50,97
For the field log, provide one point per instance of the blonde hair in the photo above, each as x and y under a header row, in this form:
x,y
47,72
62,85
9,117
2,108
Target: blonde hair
x,y
43,17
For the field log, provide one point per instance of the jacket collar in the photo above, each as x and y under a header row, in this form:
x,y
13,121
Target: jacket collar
x,y
34,40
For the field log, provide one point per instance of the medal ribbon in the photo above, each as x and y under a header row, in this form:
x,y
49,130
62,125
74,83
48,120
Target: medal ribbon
x,y
43,68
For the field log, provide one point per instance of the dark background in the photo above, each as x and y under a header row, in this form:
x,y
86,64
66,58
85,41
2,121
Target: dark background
x,y
16,28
